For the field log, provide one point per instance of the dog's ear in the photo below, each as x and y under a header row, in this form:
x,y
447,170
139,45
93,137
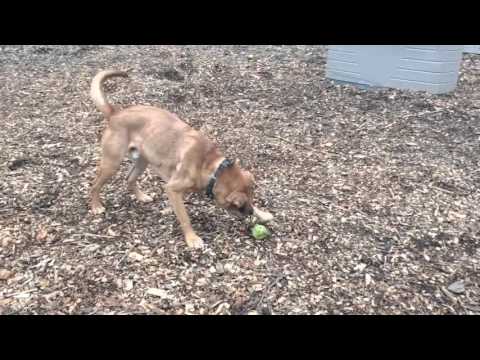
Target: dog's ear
x,y
231,198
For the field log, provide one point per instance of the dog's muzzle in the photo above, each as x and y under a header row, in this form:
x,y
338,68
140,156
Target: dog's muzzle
x,y
246,210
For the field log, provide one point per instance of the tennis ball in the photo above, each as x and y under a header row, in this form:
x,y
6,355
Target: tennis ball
x,y
260,232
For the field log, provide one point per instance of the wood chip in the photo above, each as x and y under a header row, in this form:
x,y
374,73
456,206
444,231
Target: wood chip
x,y
5,274
158,293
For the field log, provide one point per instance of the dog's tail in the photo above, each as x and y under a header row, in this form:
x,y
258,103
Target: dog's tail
x,y
96,90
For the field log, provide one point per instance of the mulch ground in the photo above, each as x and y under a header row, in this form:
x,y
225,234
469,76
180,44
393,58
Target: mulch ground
x,y
375,193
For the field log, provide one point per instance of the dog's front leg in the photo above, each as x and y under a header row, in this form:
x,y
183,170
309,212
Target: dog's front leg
x,y
175,196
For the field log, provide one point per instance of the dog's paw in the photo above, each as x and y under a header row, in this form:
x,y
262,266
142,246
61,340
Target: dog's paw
x,y
194,241
144,198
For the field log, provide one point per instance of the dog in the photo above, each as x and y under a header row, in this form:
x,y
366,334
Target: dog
x,y
183,158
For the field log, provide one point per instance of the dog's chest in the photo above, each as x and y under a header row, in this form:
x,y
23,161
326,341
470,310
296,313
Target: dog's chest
x,y
164,170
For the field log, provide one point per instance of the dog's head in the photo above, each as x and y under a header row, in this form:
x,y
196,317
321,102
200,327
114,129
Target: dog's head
x,y
234,191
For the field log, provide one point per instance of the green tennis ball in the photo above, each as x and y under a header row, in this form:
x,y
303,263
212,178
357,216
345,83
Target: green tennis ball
x,y
260,232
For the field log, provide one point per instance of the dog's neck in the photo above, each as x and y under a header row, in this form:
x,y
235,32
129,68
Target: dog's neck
x,y
212,160
213,166
223,166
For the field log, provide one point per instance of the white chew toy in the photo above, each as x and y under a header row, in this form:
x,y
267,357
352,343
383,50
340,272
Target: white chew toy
x,y
263,216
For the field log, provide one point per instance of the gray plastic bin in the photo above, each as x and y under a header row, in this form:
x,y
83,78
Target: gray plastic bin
x,y
430,68
473,49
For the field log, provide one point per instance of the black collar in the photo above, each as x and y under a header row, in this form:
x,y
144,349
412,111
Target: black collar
x,y
213,179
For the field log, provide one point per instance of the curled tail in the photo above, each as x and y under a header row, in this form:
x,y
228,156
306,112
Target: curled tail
x,y
96,90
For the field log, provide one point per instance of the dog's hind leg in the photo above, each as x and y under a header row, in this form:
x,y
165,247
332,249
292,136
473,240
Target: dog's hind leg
x,y
114,148
137,170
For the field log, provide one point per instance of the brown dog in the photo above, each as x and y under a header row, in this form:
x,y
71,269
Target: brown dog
x,y
185,159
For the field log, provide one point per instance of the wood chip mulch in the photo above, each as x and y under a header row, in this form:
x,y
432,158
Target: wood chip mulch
x,y
375,192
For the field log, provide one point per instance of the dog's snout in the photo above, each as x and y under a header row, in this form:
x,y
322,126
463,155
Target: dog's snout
x,y
247,210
